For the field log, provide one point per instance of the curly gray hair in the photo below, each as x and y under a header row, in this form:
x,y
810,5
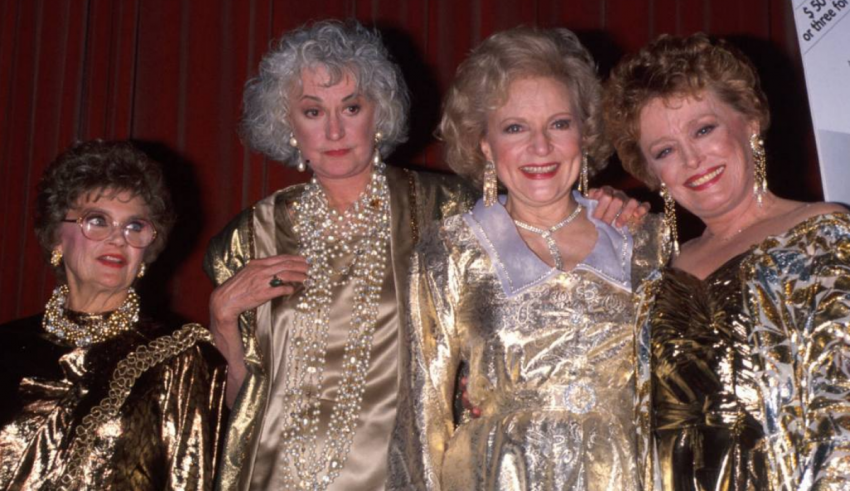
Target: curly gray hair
x,y
342,48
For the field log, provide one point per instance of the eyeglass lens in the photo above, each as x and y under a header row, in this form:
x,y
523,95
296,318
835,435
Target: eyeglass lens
x,y
99,226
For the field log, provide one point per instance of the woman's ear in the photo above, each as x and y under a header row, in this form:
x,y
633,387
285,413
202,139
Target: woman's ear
x,y
486,150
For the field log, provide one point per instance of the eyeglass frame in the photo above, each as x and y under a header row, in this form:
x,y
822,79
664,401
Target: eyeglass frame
x,y
122,226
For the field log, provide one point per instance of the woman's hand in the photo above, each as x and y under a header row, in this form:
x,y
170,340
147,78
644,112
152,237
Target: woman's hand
x,y
615,207
249,288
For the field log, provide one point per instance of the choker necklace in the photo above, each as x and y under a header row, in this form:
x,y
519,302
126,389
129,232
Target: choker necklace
x,y
547,234
325,234
88,329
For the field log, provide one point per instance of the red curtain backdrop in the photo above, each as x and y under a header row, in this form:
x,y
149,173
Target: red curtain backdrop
x,y
169,74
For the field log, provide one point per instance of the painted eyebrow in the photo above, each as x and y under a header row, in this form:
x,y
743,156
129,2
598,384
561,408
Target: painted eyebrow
x,y
84,211
317,99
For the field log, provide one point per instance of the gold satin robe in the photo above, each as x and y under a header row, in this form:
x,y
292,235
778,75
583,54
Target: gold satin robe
x,y
250,457
550,357
744,377
164,436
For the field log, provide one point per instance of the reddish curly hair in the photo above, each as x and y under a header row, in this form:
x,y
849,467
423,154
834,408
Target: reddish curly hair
x,y
675,67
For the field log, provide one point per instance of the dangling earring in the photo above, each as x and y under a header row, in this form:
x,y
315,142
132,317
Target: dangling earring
x,y
56,258
299,159
582,180
670,218
376,157
141,272
760,168
491,184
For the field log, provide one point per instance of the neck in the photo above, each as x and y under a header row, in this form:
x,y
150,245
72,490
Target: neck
x,y
91,301
343,192
740,218
541,216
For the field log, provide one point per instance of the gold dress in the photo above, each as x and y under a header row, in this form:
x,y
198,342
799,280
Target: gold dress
x,y
251,459
550,357
744,377
163,436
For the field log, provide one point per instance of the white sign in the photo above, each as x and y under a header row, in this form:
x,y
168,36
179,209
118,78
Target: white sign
x,y
823,32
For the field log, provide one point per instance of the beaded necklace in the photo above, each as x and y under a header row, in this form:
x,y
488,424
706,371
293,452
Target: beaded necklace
x,y
325,235
547,235
89,328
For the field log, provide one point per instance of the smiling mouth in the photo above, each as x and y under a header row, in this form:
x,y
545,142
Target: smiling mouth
x,y
706,178
539,169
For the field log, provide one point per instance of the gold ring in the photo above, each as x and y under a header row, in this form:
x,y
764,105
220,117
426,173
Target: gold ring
x,y
275,282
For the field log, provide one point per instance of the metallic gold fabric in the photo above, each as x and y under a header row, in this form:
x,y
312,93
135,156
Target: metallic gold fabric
x,y
549,356
249,458
164,436
744,377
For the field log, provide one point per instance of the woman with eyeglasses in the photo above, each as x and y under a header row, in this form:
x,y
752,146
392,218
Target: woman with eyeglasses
x,y
96,396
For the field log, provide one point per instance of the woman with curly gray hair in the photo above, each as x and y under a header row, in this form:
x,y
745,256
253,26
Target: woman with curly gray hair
x,y
311,279
529,289
96,395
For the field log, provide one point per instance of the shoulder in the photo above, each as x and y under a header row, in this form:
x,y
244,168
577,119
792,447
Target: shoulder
x,y
232,247
172,348
441,195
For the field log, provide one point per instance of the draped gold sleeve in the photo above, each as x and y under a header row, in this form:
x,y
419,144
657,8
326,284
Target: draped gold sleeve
x,y
227,253
424,414
797,289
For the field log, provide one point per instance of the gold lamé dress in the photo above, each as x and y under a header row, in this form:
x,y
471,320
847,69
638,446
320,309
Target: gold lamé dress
x,y
744,377
550,357
251,459
163,436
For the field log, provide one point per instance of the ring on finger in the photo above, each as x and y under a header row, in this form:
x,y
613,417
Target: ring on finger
x,y
275,282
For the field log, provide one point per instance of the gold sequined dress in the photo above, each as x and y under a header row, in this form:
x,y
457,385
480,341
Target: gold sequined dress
x,y
744,376
252,458
550,358
163,436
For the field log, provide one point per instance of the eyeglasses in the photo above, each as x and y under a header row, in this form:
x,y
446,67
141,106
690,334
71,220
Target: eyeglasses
x,y
97,225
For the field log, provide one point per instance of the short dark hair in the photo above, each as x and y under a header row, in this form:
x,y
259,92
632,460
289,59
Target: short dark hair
x,y
104,168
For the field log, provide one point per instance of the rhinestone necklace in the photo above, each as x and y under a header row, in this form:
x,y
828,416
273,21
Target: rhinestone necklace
x,y
325,235
547,234
90,328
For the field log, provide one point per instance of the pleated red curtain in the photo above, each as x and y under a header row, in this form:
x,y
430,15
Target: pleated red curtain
x,y
169,74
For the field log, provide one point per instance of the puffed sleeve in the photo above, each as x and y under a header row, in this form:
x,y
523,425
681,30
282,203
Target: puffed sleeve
x,y
799,298
424,421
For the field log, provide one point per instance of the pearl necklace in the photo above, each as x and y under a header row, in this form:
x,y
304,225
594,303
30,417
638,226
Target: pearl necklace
x,y
92,328
547,234
325,235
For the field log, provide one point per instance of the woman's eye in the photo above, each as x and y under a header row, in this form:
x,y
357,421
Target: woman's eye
x,y
353,109
311,113
562,124
136,226
513,128
705,130
96,220
663,153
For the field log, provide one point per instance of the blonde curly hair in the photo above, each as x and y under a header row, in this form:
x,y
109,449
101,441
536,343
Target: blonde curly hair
x,y
674,67
483,79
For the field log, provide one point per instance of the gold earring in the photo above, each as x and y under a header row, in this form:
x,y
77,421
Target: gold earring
x,y
582,181
376,157
141,273
56,258
491,184
760,168
299,159
670,218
